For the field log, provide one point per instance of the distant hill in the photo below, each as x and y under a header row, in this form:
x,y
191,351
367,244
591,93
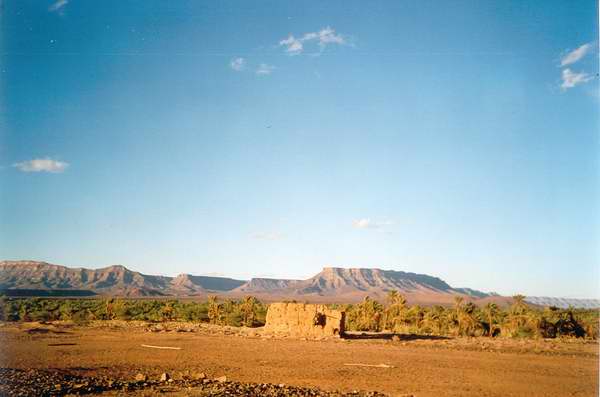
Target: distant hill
x,y
332,284
564,303
111,280
51,293
267,285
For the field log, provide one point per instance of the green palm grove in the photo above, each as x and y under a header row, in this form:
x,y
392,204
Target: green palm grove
x,y
467,319
395,315
246,312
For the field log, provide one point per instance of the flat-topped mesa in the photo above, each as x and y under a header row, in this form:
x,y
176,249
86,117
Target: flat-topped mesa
x,y
330,285
259,284
208,283
366,278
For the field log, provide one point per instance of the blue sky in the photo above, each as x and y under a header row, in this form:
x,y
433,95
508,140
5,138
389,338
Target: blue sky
x,y
457,139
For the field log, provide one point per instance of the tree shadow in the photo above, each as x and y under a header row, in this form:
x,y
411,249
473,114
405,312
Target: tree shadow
x,y
390,336
46,331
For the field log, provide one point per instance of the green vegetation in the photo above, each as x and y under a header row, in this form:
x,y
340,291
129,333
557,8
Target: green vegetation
x,y
462,319
467,319
249,311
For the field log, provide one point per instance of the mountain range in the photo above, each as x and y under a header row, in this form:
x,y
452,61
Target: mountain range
x,y
332,284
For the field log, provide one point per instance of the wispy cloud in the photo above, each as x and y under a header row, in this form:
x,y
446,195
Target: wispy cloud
x,y
265,69
575,55
267,236
238,64
367,223
571,79
324,37
327,36
42,165
58,5
293,46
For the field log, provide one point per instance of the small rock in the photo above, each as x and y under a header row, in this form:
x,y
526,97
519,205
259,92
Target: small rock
x,y
396,338
199,375
164,377
221,379
141,378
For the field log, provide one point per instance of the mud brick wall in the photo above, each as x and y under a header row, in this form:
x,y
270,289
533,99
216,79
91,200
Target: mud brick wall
x,y
304,320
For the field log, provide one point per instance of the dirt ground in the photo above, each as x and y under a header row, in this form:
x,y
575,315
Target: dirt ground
x,y
412,366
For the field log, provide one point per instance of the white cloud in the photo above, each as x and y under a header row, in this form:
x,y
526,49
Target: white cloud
x,y
57,6
328,36
42,165
366,223
310,36
238,64
571,79
323,37
267,236
264,69
576,54
293,45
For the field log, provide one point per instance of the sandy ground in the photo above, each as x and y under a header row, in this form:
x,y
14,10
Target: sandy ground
x,y
419,367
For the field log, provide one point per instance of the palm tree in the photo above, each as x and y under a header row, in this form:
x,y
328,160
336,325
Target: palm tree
x,y
108,309
66,310
395,312
214,310
167,312
248,308
458,310
458,302
518,316
369,315
464,315
519,302
391,296
491,311
432,320
395,298
469,319
414,318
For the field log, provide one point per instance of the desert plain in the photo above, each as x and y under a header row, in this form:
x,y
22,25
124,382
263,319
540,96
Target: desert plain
x,y
104,357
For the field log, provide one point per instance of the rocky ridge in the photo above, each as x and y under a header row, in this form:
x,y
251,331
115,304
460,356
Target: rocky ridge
x,y
331,284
